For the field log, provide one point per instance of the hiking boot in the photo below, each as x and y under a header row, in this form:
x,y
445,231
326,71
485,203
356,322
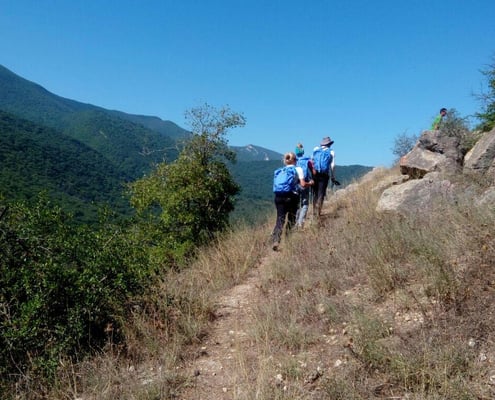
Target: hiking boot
x,y
275,246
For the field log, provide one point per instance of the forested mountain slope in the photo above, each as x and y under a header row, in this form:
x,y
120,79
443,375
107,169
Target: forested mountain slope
x,y
124,148
39,159
133,143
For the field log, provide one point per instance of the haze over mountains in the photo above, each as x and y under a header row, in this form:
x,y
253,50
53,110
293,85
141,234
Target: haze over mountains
x,y
83,154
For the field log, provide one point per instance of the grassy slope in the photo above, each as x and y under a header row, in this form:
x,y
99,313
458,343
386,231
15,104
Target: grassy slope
x,y
365,305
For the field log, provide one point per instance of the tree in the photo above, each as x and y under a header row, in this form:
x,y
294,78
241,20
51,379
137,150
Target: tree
x,y
487,99
403,144
189,200
454,125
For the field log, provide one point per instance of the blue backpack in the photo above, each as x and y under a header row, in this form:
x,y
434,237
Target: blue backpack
x,y
303,163
285,179
322,159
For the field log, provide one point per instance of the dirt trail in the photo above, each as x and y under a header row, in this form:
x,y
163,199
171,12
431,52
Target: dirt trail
x,y
218,369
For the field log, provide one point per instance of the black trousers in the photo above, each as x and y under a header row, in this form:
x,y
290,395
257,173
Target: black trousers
x,y
319,191
287,205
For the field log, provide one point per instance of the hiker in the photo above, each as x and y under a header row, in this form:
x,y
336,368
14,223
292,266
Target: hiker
x,y
323,170
307,166
438,119
285,183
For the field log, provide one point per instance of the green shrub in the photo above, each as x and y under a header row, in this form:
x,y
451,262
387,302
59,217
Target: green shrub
x,y
63,288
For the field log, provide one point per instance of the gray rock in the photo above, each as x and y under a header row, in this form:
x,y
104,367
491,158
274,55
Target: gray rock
x,y
417,196
480,159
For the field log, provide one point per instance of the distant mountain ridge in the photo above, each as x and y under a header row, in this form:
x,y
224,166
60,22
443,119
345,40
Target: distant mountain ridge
x,y
255,153
119,147
35,103
133,143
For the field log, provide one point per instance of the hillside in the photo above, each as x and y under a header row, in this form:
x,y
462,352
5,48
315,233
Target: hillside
x,y
359,305
39,159
255,153
35,103
128,145
256,179
132,142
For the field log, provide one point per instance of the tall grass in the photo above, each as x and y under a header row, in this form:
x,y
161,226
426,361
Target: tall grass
x,y
409,293
362,305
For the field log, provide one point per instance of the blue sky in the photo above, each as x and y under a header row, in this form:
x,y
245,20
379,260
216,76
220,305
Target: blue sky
x,y
359,71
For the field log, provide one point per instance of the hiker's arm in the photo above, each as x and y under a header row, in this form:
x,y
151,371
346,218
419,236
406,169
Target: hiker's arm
x,y
302,181
332,165
304,184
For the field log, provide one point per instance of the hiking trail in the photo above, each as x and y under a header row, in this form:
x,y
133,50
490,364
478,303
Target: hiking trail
x,y
219,355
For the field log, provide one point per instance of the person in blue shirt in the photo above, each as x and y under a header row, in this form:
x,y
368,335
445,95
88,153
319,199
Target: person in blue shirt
x,y
307,166
287,197
323,171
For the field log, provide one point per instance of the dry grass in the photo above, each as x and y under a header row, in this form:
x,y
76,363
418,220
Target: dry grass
x,y
364,305
164,329
411,296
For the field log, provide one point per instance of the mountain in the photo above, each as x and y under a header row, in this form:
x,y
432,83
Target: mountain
x,y
131,142
255,153
106,148
40,159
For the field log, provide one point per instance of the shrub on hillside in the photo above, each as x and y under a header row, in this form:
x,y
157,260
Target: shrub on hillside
x,y
487,99
183,204
64,289
403,144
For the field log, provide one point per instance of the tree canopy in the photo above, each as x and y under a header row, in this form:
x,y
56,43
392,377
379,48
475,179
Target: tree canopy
x,y
487,99
184,203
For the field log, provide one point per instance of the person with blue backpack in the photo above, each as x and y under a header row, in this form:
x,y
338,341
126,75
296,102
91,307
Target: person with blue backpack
x,y
323,170
306,164
285,188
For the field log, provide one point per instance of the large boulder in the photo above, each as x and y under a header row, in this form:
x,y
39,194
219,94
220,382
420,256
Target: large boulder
x,y
438,142
480,159
434,151
417,196
487,198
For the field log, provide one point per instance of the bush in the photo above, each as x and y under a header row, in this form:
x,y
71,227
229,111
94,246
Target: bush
x,y
403,144
184,204
63,288
487,99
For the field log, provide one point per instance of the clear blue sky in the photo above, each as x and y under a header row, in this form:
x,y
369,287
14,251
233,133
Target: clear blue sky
x,y
359,71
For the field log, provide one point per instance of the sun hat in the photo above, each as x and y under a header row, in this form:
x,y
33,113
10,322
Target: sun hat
x,y
326,141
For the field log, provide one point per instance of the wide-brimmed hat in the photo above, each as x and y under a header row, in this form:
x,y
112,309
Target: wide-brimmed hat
x,y
326,141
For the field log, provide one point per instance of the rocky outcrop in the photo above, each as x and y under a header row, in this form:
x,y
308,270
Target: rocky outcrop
x,y
432,152
429,169
417,195
480,159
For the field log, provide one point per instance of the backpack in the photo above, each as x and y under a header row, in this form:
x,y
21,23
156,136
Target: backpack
x,y
322,159
303,163
285,179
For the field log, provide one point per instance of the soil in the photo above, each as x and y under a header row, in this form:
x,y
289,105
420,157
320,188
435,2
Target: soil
x,y
218,374
212,370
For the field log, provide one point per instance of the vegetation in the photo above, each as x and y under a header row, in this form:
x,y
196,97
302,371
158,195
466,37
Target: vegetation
x,y
38,159
185,203
403,144
487,99
64,289
364,303
67,289
358,304
453,125
131,143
